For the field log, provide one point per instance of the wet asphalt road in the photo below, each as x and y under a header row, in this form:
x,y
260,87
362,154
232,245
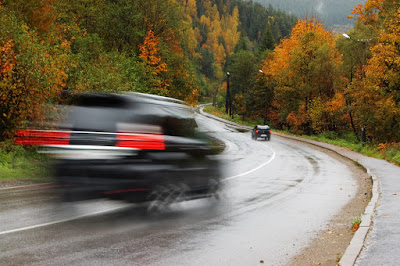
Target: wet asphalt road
x,y
278,195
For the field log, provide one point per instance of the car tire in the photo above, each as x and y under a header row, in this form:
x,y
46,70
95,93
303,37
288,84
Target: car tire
x,y
157,199
164,195
214,189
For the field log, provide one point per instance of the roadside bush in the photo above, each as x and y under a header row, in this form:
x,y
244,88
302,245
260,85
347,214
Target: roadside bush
x,y
21,162
329,135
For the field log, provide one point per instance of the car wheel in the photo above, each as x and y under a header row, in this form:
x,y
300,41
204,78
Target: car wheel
x,y
255,137
214,189
157,198
163,196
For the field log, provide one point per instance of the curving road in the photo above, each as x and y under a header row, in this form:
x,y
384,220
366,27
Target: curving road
x,y
277,195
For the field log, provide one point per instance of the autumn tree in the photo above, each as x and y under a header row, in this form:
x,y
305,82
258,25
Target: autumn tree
x,y
305,70
33,71
377,93
149,52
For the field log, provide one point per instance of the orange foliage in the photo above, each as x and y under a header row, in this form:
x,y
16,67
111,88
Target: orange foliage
x,y
149,52
297,119
377,94
368,13
193,97
303,68
32,74
43,16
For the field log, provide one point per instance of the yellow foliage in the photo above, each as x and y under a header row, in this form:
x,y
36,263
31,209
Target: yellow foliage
x,y
149,52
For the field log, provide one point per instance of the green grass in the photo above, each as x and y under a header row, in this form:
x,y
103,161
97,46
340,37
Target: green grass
x,y
17,162
389,152
236,118
355,222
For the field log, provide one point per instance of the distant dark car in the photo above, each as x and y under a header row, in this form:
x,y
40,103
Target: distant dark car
x,y
135,147
261,131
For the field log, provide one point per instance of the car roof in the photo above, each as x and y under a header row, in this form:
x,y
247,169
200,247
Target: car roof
x,y
155,97
145,103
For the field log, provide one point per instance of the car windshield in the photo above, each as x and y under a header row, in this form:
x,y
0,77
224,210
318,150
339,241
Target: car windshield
x,y
263,127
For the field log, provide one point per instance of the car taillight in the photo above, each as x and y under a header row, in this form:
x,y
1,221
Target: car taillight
x,y
141,141
125,140
42,137
256,131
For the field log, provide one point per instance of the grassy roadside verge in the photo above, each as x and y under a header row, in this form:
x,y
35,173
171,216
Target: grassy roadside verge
x,y
220,113
386,151
17,162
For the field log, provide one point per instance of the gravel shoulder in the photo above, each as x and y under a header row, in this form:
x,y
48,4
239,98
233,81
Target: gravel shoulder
x,y
331,243
22,182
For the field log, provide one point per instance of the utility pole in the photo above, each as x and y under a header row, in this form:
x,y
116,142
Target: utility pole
x,y
364,43
228,103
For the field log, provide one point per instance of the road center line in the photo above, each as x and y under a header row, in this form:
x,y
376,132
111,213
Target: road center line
x,y
60,221
254,169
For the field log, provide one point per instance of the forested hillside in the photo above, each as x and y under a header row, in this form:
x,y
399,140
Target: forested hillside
x,y
303,78
176,48
330,12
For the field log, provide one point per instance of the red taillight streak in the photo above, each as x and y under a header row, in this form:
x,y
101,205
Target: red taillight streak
x,y
125,190
47,137
42,137
141,141
140,137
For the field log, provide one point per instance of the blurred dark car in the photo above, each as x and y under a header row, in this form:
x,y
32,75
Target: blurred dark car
x,y
134,147
261,131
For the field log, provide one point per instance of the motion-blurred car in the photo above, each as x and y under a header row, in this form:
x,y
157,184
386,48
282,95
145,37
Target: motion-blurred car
x,y
135,147
261,131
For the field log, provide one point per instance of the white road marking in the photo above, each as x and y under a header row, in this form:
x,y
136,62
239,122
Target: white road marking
x,y
60,221
254,169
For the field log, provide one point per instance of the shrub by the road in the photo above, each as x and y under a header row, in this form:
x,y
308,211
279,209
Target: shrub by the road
x,y
21,162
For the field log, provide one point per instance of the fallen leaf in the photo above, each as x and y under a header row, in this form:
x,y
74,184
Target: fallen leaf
x,y
395,194
261,261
